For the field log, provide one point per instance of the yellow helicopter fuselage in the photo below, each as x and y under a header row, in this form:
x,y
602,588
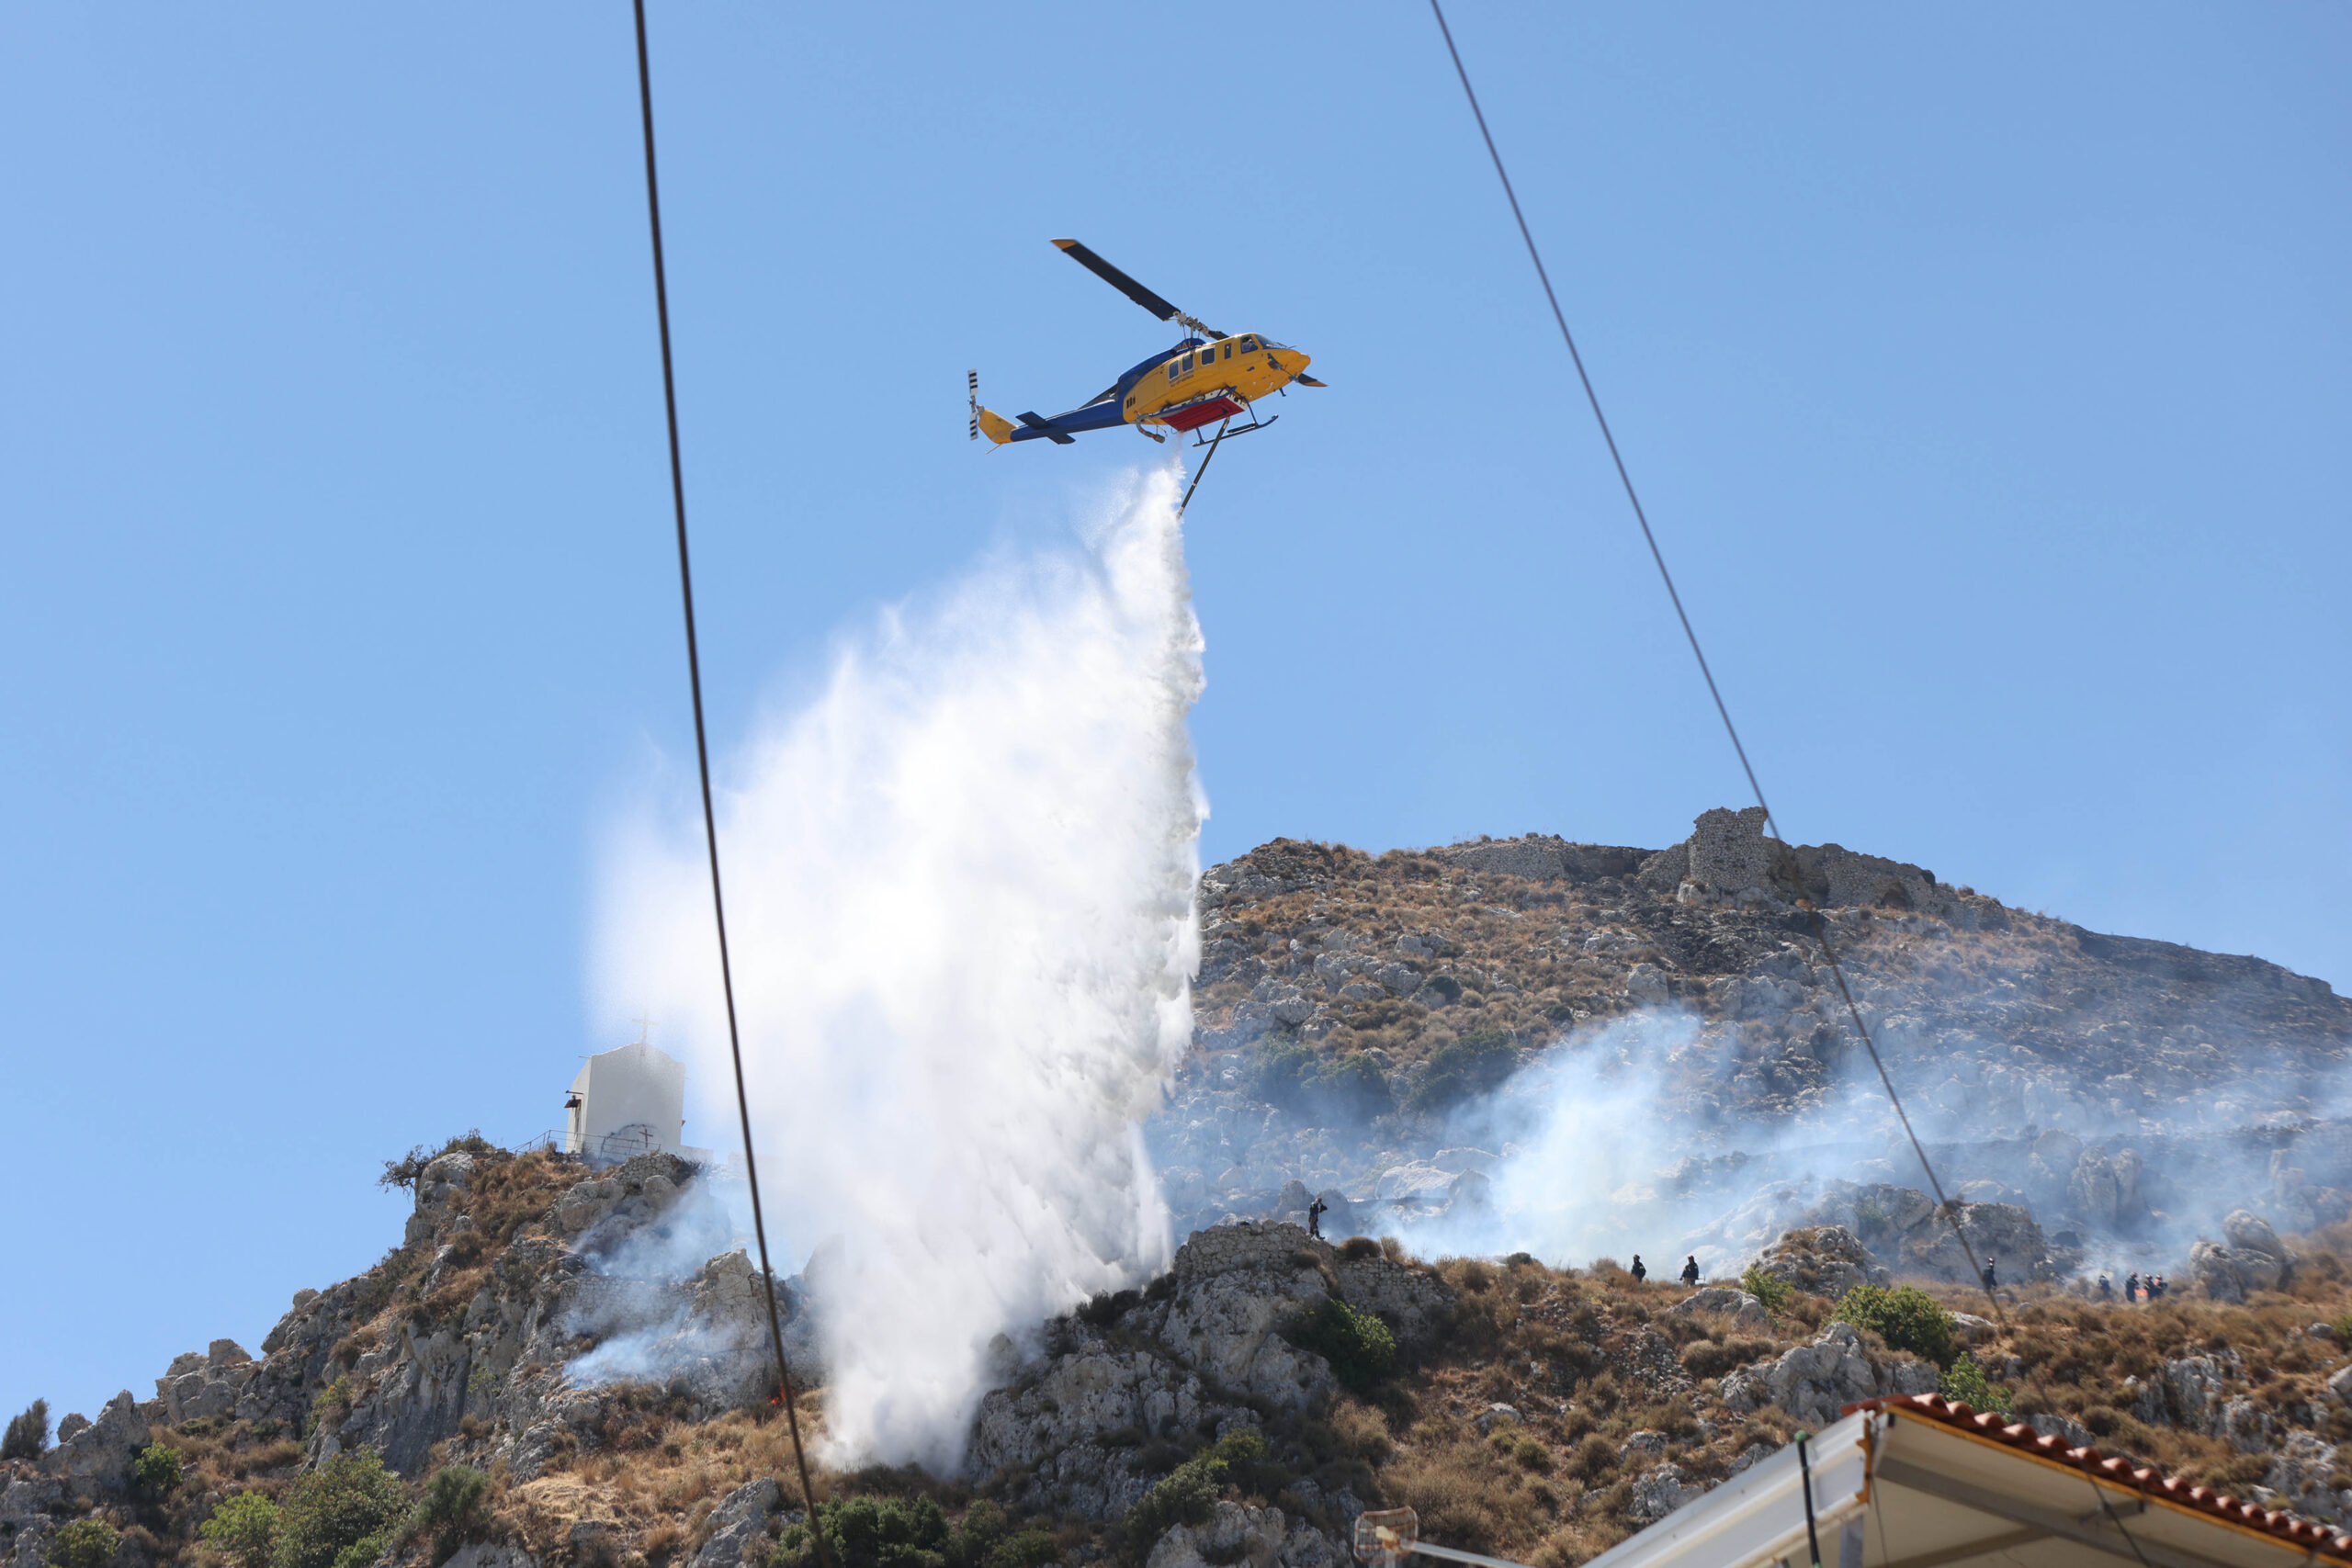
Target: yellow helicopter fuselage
x,y
1242,365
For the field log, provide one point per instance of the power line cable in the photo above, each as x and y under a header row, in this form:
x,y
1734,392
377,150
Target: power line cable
x,y
709,817
1819,926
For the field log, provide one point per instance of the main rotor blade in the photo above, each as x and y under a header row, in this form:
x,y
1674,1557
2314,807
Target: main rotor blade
x,y
1118,280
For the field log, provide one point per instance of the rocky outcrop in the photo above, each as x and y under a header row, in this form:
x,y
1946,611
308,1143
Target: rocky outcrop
x,y
1743,1311
1197,1355
2011,1035
93,1458
1815,1382
1540,857
2302,1477
1822,1261
2253,1259
1264,1538
740,1520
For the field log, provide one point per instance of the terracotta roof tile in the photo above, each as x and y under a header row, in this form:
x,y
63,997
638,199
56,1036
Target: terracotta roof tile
x,y
2307,1534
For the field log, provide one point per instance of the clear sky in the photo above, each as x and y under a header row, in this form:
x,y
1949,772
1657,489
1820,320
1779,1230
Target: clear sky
x,y
1985,375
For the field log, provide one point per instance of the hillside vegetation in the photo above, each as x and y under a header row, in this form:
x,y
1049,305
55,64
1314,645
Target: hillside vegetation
x,y
1536,1411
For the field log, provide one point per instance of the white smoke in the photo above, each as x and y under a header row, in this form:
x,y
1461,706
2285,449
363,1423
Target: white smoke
x,y
1582,1139
959,890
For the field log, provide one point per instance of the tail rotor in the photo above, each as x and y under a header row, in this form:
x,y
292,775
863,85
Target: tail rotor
x,y
972,390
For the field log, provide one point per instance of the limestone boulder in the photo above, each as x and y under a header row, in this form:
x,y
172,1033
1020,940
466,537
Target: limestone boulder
x,y
441,1185
2253,1259
2301,1473
741,1520
1658,1491
1744,1311
1824,1261
1814,1382
94,1460
1085,1394
624,1199
1414,1304
1235,1534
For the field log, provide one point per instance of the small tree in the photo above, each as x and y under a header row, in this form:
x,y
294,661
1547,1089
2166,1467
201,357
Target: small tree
x,y
1906,1317
28,1434
1965,1380
157,1471
345,1500
871,1532
451,1509
1771,1289
1188,1495
1357,1344
85,1544
243,1529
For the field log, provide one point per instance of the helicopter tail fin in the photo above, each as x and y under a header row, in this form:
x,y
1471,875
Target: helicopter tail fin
x,y
998,428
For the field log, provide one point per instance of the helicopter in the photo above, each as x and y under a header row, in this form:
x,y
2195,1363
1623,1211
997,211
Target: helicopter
x,y
1209,377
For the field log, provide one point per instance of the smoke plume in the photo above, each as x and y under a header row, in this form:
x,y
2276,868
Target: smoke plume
x,y
959,890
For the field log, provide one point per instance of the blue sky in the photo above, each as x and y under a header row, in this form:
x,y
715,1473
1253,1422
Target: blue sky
x,y
1985,377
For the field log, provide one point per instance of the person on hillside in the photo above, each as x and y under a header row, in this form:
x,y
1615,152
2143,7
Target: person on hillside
x,y
1315,1212
2155,1286
1690,1271
1639,1272
2132,1286
1991,1283
2106,1291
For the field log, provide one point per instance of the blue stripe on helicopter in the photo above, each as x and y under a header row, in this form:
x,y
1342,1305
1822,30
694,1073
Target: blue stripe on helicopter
x,y
1100,415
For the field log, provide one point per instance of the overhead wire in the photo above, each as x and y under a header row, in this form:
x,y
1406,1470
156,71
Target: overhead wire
x,y
1817,924
709,817
1820,927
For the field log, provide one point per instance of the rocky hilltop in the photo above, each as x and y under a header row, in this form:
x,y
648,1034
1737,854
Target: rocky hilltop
x,y
2127,1092
521,1383
448,1407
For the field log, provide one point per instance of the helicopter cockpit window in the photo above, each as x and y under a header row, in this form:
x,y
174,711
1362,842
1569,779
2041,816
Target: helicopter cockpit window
x,y
1249,345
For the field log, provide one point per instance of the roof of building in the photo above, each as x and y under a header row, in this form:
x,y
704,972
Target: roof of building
x,y
2311,1536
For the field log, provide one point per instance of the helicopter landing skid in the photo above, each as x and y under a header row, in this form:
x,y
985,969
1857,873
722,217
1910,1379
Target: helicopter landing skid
x,y
1255,424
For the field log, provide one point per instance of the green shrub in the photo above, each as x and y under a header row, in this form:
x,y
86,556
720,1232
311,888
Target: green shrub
x,y
1906,1317
1965,1380
364,1551
451,1509
1463,1068
969,1543
1188,1495
871,1532
1031,1548
339,1504
85,1544
28,1434
157,1471
1773,1291
331,1403
243,1529
1358,1344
